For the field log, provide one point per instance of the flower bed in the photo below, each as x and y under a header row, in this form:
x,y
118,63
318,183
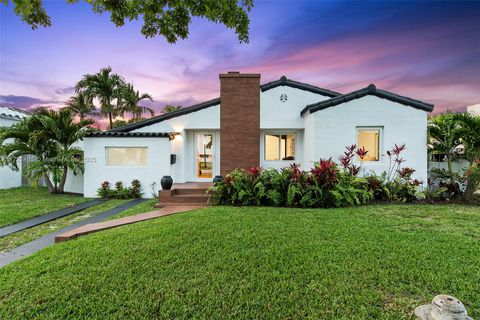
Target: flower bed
x,y
327,184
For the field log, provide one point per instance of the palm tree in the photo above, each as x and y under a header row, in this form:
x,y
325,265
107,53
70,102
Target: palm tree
x,y
130,99
445,134
106,87
170,108
81,105
49,136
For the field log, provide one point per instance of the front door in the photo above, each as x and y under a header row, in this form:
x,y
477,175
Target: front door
x,y
204,155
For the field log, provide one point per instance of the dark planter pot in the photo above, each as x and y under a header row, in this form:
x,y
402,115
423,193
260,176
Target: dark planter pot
x,y
166,182
217,179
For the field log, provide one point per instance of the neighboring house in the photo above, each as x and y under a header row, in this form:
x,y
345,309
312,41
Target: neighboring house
x,y
474,109
271,125
8,117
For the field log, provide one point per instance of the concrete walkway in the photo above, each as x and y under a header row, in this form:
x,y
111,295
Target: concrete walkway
x,y
49,239
5,231
95,227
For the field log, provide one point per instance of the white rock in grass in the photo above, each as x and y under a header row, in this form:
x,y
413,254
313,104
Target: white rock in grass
x,y
443,307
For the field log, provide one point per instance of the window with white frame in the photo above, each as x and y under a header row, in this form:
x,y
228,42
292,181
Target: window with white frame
x,y
280,147
370,139
126,156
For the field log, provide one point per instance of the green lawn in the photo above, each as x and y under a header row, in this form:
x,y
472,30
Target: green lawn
x,y
146,206
16,239
18,204
371,262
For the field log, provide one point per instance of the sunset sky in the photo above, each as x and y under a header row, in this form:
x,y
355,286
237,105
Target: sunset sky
x,y
427,50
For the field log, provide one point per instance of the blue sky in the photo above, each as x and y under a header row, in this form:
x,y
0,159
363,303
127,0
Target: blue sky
x,y
426,50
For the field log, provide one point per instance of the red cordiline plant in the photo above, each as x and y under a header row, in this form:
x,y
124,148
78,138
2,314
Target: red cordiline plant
x,y
346,160
325,172
395,161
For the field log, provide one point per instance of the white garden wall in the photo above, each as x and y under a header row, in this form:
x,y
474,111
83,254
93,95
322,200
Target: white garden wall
x,y
8,177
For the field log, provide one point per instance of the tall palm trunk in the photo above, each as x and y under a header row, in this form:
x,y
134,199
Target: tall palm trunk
x,y
49,184
110,120
450,169
61,186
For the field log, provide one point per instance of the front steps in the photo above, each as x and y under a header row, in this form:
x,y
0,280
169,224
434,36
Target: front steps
x,y
185,194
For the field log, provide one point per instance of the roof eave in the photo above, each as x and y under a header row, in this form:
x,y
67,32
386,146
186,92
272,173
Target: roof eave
x,y
370,90
111,134
283,81
166,116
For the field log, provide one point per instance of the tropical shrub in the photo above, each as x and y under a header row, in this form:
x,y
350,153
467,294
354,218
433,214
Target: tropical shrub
x,y
120,192
327,184
472,176
350,191
105,191
136,189
376,184
444,180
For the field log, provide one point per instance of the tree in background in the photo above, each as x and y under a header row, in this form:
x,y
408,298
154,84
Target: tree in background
x,y
49,136
170,108
130,99
107,88
470,134
168,18
444,135
81,105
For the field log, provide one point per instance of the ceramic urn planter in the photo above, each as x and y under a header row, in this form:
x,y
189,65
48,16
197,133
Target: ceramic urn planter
x,y
166,182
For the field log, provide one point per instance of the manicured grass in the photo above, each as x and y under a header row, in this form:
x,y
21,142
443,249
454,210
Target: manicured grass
x,y
16,239
371,262
146,206
18,204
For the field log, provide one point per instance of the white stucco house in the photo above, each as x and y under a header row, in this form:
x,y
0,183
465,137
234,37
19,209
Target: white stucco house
x,y
8,117
474,109
272,125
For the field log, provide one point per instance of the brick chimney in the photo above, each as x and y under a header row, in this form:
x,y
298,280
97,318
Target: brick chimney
x,y
239,121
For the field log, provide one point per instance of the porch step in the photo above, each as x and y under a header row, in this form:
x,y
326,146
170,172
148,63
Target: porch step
x,y
188,194
174,204
189,191
186,198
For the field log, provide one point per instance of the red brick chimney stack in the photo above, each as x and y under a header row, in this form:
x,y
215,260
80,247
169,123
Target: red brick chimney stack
x,y
239,121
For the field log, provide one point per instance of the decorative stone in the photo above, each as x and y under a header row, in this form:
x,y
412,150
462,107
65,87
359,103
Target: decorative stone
x,y
443,307
166,182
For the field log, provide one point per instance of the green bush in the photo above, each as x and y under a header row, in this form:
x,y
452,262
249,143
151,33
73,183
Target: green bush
x,y
325,185
120,192
472,177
